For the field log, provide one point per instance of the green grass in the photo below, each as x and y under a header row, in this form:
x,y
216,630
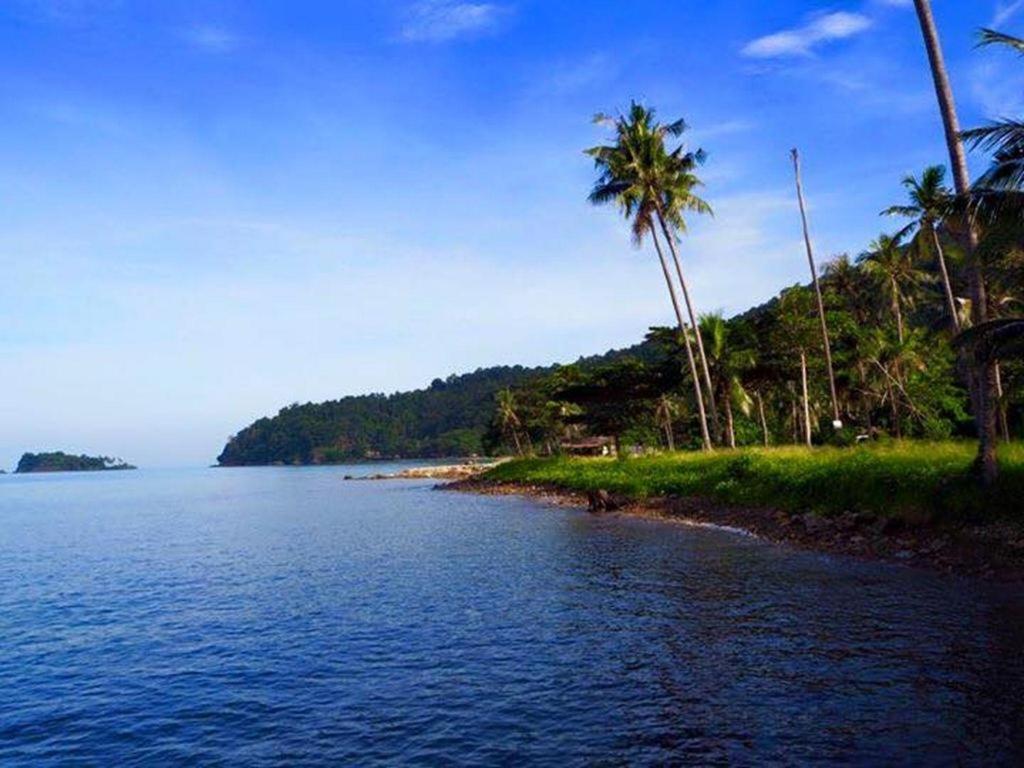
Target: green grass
x,y
912,480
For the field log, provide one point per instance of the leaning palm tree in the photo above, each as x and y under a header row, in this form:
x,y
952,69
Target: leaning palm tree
x,y
826,343
679,181
930,203
670,180
982,380
632,173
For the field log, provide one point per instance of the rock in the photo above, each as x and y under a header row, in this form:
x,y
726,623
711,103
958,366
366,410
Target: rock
x,y
887,526
602,501
815,525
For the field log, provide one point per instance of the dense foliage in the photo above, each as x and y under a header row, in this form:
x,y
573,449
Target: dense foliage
x,y
58,461
924,482
449,418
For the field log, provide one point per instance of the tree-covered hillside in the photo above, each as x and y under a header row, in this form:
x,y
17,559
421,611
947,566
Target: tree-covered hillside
x,y
449,418
58,461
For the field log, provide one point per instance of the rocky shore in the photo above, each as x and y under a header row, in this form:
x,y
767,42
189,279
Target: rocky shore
x,y
452,472
993,551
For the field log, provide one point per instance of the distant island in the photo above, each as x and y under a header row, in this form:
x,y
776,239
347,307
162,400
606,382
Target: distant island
x,y
58,461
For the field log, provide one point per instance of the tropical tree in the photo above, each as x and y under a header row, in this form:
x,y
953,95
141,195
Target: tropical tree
x,y
796,336
1005,137
635,173
893,267
982,379
667,411
508,417
680,181
728,364
930,203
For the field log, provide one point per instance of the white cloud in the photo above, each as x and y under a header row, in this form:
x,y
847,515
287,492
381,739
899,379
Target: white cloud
x,y
801,41
442,20
211,39
1005,11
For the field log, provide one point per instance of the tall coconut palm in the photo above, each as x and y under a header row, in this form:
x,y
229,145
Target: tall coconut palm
x,y
631,175
982,380
678,198
670,180
930,203
636,173
892,265
836,420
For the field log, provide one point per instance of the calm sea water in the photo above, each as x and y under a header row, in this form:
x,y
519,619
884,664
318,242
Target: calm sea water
x,y
285,616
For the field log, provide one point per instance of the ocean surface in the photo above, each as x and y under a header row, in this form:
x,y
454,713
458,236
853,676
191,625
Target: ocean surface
x,y
284,616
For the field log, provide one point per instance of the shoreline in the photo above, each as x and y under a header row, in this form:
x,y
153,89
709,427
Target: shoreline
x,y
992,552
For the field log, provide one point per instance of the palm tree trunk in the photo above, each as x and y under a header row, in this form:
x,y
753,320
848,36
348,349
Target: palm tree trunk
x,y
982,382
807,402
730,424
705,434
946,283
764,421
838,422
900,332
894,409
515,439
1004,423
669,437
693,324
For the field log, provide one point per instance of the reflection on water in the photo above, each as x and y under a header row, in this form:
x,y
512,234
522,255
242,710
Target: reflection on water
x,y
285,616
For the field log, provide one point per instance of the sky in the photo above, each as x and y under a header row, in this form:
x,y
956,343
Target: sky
x,y
210,209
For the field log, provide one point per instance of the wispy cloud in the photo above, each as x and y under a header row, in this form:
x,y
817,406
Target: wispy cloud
x,y
442,20
1005,11
802,40
64,11
211,39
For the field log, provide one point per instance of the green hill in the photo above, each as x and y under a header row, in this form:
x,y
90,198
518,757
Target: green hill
x,y
449,418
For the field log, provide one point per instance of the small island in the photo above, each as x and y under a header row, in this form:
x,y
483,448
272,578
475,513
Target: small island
x,y
58,461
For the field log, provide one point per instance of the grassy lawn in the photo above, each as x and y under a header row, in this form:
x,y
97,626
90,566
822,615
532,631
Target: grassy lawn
x,y
913,480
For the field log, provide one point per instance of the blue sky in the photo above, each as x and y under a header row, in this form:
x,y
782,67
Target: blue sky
x,y
212,208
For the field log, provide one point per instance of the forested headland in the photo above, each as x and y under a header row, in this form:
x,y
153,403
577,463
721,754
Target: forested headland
x,y
452,417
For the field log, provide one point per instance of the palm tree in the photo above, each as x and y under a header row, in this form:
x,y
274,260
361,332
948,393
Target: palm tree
x,y
508,417
795,309
633,173
836,420
893,267
1005,137
678,198
930,203
728,365
982,382
666,412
